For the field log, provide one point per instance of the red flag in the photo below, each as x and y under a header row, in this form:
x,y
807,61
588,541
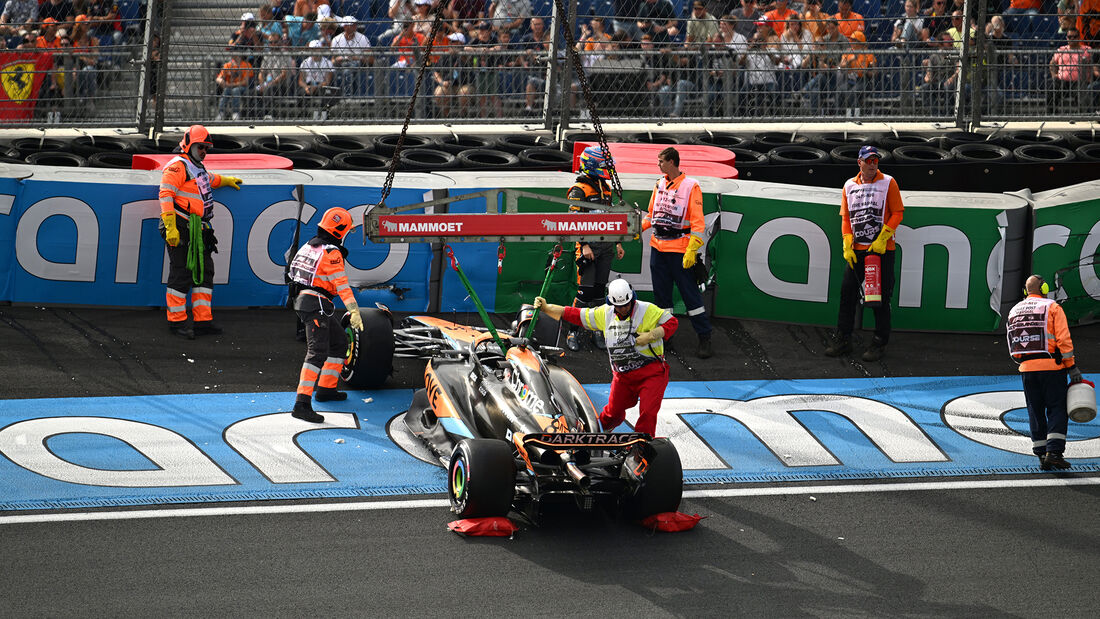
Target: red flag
x,y
21,75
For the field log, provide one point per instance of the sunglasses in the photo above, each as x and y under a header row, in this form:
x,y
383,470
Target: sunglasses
x,y
203,147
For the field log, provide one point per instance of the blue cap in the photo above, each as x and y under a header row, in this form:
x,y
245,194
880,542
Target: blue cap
x,y
867,152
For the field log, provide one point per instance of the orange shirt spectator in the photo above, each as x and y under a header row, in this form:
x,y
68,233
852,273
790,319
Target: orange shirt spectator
x,y
1088,23
848,20
406,45
1026,4
236,72
778,16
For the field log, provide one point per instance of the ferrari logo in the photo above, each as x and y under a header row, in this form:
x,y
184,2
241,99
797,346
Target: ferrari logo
x,y
18,79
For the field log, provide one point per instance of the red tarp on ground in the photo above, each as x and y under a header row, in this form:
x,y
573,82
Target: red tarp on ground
x,y
488,527
671,521
695,160
222,161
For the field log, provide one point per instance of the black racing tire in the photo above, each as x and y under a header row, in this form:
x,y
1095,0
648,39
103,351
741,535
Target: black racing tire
x,y
481,479
890,141
369,360
849,154
829,141
108,159
486,159
86,145
921,153
1015,139
229,144
746,157
162,144
662,485
278,145
455,144
547,330
29,146
768,140
981,153
950,140
580,136
1082,137
516,143
333,145
361,161
655,138
1043,153
386,144
722,139
57,158
1088,152
425,159
308,161
797,154
546,159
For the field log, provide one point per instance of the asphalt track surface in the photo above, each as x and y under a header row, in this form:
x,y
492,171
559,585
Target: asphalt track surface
x,y
1027,550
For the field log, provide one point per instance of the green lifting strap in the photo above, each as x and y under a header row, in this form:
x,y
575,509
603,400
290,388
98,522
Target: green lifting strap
x,y
195,250
542,293
474,297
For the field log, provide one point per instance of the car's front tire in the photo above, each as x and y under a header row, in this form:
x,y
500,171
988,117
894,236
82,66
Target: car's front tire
x,y
481,478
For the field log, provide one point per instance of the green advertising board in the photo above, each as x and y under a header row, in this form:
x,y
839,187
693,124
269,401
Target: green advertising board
x,y
1065,241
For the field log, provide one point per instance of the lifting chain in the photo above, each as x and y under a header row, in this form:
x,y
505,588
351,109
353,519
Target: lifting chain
x,y
597,126
425,62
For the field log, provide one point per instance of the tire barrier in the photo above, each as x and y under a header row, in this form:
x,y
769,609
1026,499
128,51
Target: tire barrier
x,y
890,141
309,161
361,161
797,154
334,145
27,146
545,159
275,145
455,144
1082,137
516,143
1024,138
721,140
950,140
229,144
829,141
386,144
655,138
849,154
486,159
163,144
1043,153
1088,152
108,159
747,158
424,160
57,158
768,140
922,153
87,145
569,140
981,152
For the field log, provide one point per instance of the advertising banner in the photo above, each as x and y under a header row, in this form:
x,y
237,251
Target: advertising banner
x,y
1064,248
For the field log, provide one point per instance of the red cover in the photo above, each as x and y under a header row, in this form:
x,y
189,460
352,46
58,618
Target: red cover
x,y
498,526
695,160
21,75
219,161
671,522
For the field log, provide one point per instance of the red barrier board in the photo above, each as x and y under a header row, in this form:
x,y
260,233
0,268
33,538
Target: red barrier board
x,y
219,161
695,160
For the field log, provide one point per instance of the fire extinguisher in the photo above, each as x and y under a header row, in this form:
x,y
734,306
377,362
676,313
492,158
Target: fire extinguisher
x,y
872,280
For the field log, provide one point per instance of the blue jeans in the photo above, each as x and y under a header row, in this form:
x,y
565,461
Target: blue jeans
x,y
669,105
231,97
667,268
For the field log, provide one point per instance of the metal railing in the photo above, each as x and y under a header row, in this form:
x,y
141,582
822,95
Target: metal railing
x,y
165,64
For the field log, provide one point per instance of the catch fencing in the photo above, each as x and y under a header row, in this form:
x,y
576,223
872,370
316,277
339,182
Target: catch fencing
x,y
178,62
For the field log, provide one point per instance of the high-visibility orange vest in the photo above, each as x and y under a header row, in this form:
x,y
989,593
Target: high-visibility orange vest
x,y
188,188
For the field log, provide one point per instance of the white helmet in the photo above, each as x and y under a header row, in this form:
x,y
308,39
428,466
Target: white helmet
x,y
620,293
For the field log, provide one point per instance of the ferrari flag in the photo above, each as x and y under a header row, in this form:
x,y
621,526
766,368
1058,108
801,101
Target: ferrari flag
x,y
21,75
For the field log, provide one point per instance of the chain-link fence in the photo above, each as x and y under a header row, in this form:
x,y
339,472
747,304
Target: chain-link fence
x,y
173,62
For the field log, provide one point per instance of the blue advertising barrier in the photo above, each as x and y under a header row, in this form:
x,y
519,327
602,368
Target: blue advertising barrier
x,y
94,452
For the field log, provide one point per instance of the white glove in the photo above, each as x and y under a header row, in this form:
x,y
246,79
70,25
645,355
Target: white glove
x,y
647,338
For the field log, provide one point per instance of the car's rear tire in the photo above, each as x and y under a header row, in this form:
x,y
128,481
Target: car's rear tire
x,y
369,360
481,479
662,484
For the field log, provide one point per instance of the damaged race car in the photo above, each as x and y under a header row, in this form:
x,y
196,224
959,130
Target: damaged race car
x,y
511,428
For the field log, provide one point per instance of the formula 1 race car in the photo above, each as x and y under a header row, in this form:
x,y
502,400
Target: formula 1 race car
x,y
511,428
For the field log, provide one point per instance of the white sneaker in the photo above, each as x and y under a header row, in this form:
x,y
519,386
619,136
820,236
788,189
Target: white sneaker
x,y
220,116
324,114
268,117
235,116
316,114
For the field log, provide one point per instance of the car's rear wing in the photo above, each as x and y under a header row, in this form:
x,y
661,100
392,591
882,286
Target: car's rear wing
x,y
585,440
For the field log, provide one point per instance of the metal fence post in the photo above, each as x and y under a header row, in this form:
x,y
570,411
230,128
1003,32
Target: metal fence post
x,y
146,76
162,70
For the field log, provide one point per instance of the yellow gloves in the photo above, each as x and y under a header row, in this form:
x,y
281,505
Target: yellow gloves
x,y
879,244
689,256
849,253
171,233
647,338
231,181
354,318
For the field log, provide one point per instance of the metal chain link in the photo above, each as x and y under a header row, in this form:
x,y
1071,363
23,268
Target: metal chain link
x,y
571,45
425,62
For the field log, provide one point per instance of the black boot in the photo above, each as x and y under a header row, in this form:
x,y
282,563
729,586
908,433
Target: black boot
x,y
207,327
1054,461
329,395
304,410
842,345
181,330
705,350
876,350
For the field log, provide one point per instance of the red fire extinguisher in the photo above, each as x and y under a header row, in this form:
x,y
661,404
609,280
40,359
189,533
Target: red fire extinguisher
x,y
872,280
